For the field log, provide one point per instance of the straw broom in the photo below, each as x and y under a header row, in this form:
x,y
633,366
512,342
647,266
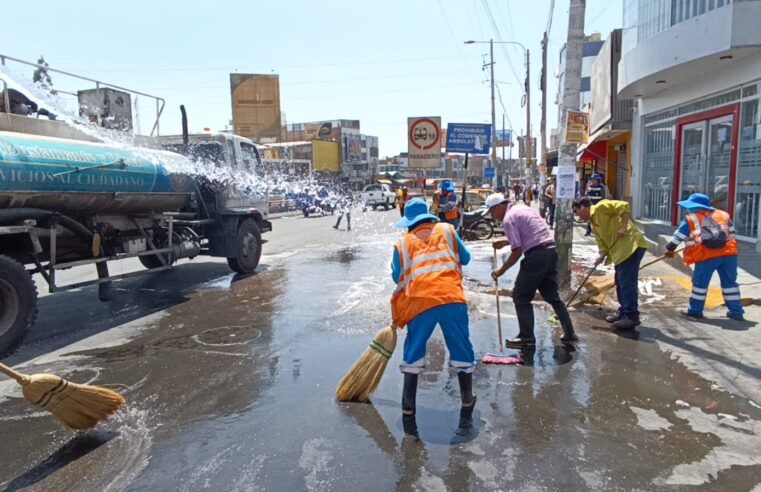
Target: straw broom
x,y
363,377
77,406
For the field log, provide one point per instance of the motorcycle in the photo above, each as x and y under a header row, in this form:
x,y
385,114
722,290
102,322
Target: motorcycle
x,y
477,225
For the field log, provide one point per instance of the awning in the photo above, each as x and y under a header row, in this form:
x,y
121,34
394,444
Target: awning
x,y
594,151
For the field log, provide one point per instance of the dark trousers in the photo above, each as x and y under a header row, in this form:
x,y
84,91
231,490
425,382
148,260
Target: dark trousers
x,y
539,271
348,219
551,212
627,288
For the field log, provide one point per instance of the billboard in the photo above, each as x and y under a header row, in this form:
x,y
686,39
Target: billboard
x,y
326,156
353,148
602,86
318,131
504,138
424,142
255,105
471,138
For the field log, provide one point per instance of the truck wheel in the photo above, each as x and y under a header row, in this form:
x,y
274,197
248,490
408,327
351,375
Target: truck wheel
x,y
385,205
248,248
18,303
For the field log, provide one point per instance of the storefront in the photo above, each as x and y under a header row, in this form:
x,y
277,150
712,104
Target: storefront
x,y
711,146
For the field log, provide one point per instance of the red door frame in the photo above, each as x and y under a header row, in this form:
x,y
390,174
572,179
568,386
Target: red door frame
x,y
734,111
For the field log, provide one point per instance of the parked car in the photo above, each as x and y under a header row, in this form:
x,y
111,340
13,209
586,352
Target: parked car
x,y
379,195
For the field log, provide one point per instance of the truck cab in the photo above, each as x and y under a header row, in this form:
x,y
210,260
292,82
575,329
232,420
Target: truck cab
x,y
224,149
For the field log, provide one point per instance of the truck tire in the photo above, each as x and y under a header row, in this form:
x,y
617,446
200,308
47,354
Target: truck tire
x,y
248,248
18,304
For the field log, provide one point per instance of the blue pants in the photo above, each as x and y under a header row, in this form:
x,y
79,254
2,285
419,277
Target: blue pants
x,y
727,268
453,319
627,287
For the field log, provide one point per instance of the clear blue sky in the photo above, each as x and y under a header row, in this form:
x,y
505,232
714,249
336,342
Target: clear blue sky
x,y
378,62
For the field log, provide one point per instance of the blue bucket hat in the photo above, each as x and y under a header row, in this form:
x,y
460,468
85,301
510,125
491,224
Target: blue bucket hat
x,y
446,185
596,176
696,201
415,210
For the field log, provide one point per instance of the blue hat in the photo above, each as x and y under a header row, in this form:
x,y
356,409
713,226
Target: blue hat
x,y
446,185
415,210
697,201
596,176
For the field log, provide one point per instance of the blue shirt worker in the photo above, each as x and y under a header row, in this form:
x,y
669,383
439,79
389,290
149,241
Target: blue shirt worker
x,y
710,245
449,210
427,269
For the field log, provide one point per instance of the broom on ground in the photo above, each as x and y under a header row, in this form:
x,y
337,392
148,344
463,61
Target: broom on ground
x,y
602,284
363,377
77,406
500,358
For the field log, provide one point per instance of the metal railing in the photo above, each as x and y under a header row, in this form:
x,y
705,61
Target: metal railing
x,y
160,102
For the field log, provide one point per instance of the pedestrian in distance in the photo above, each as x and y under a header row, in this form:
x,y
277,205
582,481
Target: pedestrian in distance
x,y
596,191
517,191
449,208
344,206
549,195
401,197
710,245
528,236
427,269
621,244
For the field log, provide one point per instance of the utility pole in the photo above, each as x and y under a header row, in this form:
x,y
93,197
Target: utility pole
x,y
529,150
567,157
543,129
493,110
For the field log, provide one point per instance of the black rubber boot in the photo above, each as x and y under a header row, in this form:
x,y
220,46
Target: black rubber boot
x,y
466,388
468,399
408,394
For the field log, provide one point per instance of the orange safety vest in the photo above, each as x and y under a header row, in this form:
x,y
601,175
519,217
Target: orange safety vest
x,y
431,274
696,251
453,214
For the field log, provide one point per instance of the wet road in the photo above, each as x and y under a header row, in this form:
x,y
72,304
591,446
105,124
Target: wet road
x,y
230,386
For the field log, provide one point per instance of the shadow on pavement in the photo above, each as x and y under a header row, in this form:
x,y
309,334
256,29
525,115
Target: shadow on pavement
x,y
74,449
67,317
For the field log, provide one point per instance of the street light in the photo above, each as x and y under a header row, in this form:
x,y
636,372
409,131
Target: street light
x,y
528,148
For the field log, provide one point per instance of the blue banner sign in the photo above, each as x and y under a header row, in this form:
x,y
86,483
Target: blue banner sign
x,y
489,172
471,138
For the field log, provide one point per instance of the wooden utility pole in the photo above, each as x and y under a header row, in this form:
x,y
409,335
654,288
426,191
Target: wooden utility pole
x,y
529,150
543,129
567,154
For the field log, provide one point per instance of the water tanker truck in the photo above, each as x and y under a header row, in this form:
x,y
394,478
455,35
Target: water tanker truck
x,y
66,203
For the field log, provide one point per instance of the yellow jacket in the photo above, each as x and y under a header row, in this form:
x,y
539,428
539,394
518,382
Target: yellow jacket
x,y
605,218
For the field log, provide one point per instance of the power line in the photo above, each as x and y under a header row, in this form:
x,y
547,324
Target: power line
x,y
549,18
454,38
499,38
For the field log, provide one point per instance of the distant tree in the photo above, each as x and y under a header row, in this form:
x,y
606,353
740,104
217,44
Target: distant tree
x,y
41,75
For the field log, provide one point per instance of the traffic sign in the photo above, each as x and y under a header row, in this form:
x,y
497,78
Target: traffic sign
x,y
489,172
471,138
424,137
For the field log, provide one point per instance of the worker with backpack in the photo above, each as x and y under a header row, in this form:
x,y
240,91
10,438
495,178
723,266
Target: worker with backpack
x,y
710,245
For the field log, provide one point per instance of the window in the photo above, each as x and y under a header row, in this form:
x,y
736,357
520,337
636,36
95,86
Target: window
x,y
748,196
658,171
250,156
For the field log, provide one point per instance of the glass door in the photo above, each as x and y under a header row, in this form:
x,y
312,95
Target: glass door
x,y
693,161
718,161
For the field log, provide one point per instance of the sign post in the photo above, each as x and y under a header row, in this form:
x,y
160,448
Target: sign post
x,y
424,142
468,138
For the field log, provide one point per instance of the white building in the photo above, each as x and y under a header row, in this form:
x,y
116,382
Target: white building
x,y
694,69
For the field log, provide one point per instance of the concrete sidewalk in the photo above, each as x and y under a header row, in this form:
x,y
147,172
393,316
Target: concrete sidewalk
x,y
719,349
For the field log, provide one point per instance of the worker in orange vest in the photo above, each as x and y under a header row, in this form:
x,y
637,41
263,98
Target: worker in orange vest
x,y
449,210
427,270
709,236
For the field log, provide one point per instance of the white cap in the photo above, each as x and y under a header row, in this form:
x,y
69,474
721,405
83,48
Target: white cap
x,y
494,199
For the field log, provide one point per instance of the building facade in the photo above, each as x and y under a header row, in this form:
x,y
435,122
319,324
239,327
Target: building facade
x,y
358,153
694,71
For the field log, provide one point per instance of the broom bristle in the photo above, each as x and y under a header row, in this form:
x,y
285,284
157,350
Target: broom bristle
x,y
77,406
365,375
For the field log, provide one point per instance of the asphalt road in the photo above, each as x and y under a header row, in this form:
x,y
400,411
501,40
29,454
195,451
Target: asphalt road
x,y
230,383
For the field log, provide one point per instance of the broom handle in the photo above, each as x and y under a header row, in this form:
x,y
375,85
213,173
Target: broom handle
x,y
660,258
496,294
20,378
591,271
